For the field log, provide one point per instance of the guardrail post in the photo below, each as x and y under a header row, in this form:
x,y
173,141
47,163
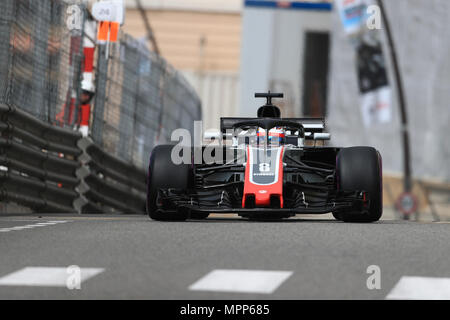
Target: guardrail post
x,y
81,174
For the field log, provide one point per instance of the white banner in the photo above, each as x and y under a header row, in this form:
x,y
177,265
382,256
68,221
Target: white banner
x,y
376,106
372,76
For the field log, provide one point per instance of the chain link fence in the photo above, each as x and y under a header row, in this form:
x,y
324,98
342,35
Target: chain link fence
x,y
139,100
41,59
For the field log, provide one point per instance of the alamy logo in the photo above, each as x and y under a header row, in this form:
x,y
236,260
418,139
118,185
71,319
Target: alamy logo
x,y
74,277
374,280
190,149
373,17
74,18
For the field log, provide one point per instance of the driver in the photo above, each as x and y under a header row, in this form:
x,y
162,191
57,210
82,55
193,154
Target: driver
x,y
276,136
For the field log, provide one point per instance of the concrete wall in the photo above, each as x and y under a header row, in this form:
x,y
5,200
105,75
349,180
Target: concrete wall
x,y
212,68
421,34
272,53
180,35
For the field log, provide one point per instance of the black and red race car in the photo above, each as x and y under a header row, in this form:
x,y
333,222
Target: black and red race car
x,y
267,168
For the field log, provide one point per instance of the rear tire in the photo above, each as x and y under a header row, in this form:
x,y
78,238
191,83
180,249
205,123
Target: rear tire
x,y
360,168
163,173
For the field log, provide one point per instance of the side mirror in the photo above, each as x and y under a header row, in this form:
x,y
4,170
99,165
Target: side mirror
x,y
322,136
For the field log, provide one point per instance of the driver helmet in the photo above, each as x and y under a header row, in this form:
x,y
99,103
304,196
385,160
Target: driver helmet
x,y
276,135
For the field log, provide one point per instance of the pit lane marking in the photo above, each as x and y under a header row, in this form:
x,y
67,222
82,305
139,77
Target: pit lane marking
x,y
32,226
45,276
243,281
421,288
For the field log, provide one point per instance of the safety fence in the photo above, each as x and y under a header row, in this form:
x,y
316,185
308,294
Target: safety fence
x,y
46,164
41,62
140,100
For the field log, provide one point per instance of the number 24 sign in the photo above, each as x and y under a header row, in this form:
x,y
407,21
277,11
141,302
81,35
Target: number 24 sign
x,y
111,11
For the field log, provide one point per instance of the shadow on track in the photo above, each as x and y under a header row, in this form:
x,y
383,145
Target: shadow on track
x,y
296,219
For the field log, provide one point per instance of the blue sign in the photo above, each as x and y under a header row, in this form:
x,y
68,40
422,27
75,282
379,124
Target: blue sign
x,y
298,5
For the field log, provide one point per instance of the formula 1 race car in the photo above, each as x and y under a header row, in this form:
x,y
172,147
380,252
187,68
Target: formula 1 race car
x,y
266,168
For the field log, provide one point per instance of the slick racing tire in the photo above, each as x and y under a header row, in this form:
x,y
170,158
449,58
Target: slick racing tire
x,y
337,215
360,168
163,174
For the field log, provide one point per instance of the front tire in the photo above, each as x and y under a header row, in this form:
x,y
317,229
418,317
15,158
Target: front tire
x,y
337,215
163,174
360,168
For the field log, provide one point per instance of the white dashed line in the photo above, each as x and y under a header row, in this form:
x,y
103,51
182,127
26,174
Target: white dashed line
x,y
31,226
421,288
246,281
21,227
45,276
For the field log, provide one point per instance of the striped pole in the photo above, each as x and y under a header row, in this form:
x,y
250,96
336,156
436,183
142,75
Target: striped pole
x,y
87,83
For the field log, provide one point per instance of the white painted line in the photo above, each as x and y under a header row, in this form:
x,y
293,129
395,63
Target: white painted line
x,y
421,288
17,220
20,228
247,281
31,226
45,276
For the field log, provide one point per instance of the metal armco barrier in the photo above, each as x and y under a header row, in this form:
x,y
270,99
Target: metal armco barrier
x,y
34,174
50,169
107,183
140,100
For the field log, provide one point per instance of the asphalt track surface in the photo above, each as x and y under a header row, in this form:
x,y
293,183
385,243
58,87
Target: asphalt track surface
x,y
320,258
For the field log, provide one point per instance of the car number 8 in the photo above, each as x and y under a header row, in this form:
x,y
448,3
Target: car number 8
x,y
264,167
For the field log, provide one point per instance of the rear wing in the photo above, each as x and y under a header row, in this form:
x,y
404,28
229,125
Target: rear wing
x,y
314,127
